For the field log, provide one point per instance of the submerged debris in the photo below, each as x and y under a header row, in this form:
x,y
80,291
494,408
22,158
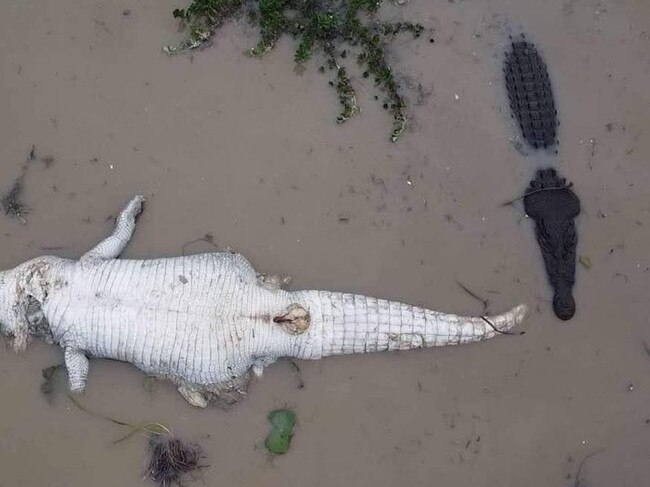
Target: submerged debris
x,y
48,386
554,206
279,438
331,27
11,200
530,94
11,203
300,384
170,459
347,97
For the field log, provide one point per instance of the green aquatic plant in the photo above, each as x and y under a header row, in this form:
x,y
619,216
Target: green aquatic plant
x,y
203,17
332,28
282,425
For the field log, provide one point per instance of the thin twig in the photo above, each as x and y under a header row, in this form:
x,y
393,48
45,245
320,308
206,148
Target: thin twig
x,y
582,462
554,188
503,332
485,302
206,238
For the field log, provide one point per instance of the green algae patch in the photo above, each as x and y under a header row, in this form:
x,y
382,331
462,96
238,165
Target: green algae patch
x,y
282,427
336,30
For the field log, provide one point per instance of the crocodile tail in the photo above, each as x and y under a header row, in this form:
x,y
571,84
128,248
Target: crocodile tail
x,y
347,323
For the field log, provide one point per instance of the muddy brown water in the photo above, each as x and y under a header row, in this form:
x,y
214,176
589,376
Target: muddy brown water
x,y
247,151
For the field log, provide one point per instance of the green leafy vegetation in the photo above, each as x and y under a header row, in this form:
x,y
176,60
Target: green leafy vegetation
x,y
331,28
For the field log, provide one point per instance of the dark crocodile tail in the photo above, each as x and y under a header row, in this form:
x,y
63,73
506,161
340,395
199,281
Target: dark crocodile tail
x,y
530,94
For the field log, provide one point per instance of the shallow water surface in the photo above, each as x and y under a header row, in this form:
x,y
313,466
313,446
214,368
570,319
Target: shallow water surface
x,y
247,151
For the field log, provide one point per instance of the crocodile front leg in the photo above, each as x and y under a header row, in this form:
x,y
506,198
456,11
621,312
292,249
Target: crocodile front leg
x,y
112,247
77,366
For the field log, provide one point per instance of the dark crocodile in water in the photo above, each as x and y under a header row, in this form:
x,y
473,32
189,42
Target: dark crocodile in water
x,y
530,93
554,206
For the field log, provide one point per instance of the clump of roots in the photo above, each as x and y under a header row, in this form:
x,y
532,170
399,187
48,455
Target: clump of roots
x,y
49,384
170,459
331,27
11,201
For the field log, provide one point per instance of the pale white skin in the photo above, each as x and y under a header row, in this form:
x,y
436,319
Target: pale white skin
x,y
205,321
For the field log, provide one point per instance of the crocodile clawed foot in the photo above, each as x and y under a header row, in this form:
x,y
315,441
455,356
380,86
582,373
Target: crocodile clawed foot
x,y
228,395
295,320
193,396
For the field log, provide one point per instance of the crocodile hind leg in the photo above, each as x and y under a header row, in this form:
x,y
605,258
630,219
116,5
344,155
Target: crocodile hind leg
x,y
112,246
228,394
222,395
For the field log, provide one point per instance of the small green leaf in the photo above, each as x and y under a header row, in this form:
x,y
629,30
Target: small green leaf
x,y
279,438
278,442
585,261
282,418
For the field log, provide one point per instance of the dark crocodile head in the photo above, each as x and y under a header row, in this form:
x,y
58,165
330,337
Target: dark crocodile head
x,y
553,206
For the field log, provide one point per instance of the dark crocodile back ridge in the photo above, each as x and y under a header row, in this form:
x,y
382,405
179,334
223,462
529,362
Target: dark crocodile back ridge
x,y
530,93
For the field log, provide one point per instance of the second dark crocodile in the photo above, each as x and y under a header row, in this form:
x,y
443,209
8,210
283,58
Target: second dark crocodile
x,y
530,93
